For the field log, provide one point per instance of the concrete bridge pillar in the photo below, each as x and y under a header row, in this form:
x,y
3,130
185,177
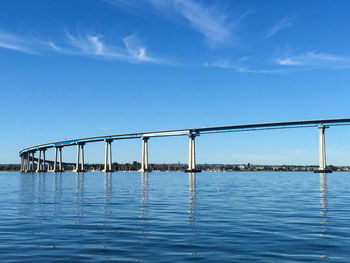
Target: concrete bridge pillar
x,y
60,164
78,158
55,161
38,162
44,169
192,154
108,155
22,162
82,157
80,167
144,157
27,162
58,150
33,165
322,150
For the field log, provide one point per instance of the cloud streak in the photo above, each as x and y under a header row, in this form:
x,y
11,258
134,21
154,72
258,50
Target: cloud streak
x,y
215,25
240,67
306,61
91,45
314,59
210,22
136,49
17,43
282,24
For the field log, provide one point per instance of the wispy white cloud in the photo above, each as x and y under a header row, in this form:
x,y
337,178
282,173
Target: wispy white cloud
x,y
310,60
209,21
52,45
261,71
289,62
239,66
92,45
221,63
17,43
136,49
282,24
315,59
214,24
25,44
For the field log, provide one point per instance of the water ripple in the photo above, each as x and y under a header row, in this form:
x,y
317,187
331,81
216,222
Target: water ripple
x,y
174,217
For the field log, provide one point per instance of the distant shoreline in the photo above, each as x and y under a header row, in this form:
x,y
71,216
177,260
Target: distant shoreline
x,y
181,167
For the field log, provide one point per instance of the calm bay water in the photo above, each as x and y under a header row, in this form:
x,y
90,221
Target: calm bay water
x,y
175,217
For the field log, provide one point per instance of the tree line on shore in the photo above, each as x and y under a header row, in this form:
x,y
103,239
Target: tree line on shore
x,y
135,166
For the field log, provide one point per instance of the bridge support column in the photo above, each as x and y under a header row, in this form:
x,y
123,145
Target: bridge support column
x,y
144,157
22,163
39,162
59,168
44,169
27,162
60,164
41,166
80,166
55,161
108,155
33,165
82,158
192,155
322,151
78,159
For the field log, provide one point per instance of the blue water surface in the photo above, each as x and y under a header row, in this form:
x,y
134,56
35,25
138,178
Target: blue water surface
x,y
175,217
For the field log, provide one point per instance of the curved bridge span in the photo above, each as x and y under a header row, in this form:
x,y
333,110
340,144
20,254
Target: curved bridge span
x,y
30,163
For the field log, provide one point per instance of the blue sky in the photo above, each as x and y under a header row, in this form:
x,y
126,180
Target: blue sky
x,y
93,67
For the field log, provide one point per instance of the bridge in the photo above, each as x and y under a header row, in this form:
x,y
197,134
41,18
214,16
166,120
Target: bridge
x,y
30,163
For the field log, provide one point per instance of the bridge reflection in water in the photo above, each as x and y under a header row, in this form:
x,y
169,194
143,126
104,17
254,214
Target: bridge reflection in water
x,y
324,208
192,198
30,163
124,202
323,199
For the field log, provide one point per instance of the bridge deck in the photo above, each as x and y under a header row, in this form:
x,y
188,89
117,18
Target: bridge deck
x,y
196,131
